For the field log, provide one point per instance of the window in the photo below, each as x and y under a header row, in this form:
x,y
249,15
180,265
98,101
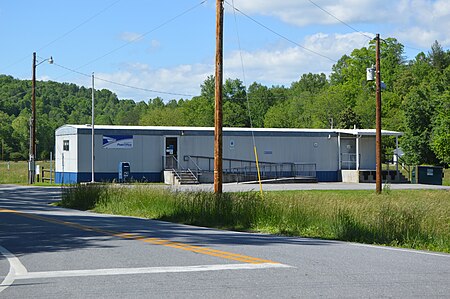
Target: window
x,y
65,145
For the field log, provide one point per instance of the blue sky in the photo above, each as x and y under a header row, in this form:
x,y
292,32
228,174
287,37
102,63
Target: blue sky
x,y
176,52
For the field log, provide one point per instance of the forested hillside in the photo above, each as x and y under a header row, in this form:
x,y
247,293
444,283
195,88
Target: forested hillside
x,y
416,101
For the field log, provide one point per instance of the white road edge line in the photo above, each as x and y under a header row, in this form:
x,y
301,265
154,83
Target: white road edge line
x,y
15,268
149,270
401,249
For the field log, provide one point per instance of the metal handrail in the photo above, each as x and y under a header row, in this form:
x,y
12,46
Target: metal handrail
x,y
179,167
401,163
267,169
196,178
195,164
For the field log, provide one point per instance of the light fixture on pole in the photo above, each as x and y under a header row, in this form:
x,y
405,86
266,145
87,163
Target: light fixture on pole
x,y
32,154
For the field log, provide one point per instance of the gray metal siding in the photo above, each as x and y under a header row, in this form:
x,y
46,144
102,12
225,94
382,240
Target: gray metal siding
x,y
367,150
146,154
319,150
273,145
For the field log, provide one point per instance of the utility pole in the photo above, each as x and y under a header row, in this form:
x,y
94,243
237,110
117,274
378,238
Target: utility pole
x,y
378,116
92,131
32,153
218,174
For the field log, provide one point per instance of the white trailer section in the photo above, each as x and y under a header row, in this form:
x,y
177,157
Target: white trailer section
x,y
150,150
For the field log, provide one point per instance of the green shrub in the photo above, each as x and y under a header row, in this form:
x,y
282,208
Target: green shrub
x,y
16,157
83,196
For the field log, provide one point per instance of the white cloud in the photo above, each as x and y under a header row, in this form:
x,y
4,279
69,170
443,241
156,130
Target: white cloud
x,y
172,82
280,66
284,65
306,13
426,21
131,36
154,44
416,22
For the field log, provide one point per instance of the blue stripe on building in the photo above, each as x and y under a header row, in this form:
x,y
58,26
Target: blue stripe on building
x,y
80,177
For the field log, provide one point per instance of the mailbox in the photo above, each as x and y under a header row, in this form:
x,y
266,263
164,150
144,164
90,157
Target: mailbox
x,y
124,172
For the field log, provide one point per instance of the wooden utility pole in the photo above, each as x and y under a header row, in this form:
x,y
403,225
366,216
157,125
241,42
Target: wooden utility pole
x,y
92,130
32,156
218,100
378,117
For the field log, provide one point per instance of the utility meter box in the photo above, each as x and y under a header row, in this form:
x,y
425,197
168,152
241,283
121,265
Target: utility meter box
x,y
370,74
430,175
124,172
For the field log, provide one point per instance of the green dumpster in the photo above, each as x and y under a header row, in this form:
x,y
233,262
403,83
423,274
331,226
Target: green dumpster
x,y
430,175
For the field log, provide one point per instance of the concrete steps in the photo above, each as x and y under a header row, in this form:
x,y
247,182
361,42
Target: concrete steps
x,y
390,176
185,177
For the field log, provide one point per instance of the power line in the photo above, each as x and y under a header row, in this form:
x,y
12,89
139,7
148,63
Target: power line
x,y
79,25
247,97
14,96
125,85
146,89
346,24
351,27
68,32
144,34
279,34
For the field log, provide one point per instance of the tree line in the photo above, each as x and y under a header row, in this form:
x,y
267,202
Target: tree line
x,y
416,101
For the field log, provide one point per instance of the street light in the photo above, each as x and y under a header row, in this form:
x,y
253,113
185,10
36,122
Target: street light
x,y
31,167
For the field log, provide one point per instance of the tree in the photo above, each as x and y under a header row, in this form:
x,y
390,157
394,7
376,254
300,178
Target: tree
x,y
20,134
312,83
276,116
391,59
5,133
348,119
328,105
440,141
438,58
419,110
199,111
166,116
261,99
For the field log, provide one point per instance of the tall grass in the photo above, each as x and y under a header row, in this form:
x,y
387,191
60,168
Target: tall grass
x,y
17,172
446,179
410,218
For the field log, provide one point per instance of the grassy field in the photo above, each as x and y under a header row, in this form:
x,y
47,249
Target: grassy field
x,y
446,179
417,219
17,172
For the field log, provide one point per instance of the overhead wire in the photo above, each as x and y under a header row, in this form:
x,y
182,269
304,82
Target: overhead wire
x,y
14,96
351,27
79,25
75,70
144,34
124,85
332,15
247,98
279,34
68,32
309,50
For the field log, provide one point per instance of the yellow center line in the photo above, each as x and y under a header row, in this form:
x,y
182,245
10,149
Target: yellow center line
x,y
154,241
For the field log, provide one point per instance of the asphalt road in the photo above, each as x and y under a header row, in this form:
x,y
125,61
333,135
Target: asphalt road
x,y
49,252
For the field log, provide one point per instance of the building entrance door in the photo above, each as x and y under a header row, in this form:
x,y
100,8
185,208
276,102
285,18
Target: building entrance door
x,y
171,152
